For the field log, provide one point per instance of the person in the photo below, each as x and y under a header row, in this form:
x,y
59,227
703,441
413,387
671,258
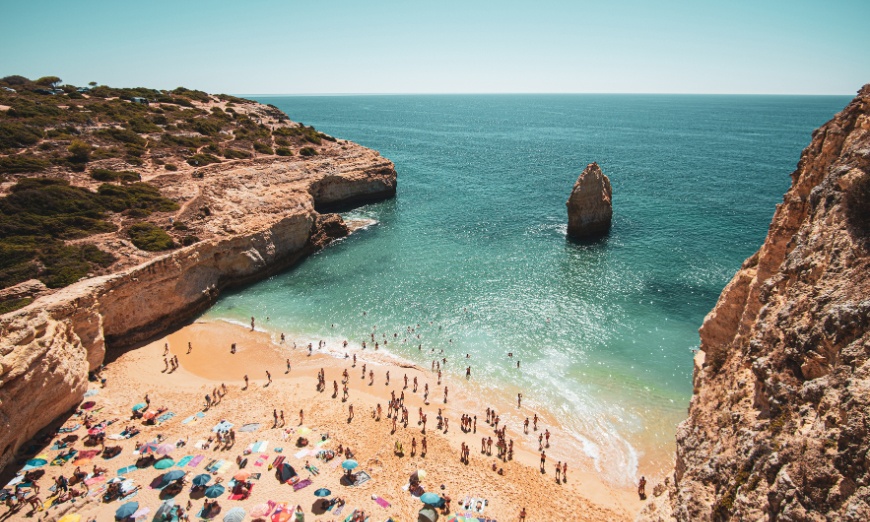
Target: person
x,y
523,515
641,488
246,382
558,471
519,400
300,515
288,366
526,426
269,376
189,347
252,324
565,471
301,417
543,461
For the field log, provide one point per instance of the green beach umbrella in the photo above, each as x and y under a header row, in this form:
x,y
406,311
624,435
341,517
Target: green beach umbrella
x,y
139,406
201,480
236,514
214,491
349,464
172,475
322,492
164,463
35,463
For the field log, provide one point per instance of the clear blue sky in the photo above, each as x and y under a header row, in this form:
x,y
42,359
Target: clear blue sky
x,y
444,46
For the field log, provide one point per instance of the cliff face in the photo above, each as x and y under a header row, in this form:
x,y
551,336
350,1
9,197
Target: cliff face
x,y
590,208
257,216
779,425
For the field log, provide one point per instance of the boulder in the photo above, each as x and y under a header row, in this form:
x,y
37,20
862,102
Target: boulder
x,y
590,208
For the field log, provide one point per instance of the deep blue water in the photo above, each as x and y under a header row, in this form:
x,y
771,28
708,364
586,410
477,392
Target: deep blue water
x,y
475,243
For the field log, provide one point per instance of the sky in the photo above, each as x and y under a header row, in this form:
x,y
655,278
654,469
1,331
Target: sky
x,y
444,46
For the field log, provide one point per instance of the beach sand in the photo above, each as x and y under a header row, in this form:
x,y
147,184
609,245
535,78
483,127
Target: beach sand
x,y
133,373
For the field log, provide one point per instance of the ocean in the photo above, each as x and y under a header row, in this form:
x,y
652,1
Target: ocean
x,y
471,255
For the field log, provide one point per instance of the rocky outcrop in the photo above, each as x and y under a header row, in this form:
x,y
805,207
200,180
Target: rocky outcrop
x,y
779,424
253,217
590,209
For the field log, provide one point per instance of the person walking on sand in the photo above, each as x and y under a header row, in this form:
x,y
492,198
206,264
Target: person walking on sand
x,y
558,471
543,461
519,400
413,446
475,424
269,377
282,417
526,426
388,377
301,417
445,395
274,418
423,448
565,471
252,323
288,366
641,488
246,383
189,347
523,515
349,412
535,422
165,349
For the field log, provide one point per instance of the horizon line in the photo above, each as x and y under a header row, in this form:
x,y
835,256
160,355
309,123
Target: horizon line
x,y
540,94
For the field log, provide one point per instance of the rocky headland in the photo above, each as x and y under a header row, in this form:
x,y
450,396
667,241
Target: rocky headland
x,y
779,423
590,206
244,218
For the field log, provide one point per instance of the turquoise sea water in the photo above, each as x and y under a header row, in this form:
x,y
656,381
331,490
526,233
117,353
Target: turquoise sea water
x,y
474,243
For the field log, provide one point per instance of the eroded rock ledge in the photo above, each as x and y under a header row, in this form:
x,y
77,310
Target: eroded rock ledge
x,y
779,424
258,217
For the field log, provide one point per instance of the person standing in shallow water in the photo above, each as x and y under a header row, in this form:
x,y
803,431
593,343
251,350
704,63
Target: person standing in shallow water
x,y
252,323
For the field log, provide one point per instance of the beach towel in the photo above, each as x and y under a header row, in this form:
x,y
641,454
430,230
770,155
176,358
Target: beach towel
x,y
260,446
301,484
250,428
200,444
282,513
129,496
261,460
88,454
141,513
361,478
128,469
214,465
241,496
70,429
224,468
380,501
91,393
301,454
196,460
339,509
183,462
93,480
222,426
165,417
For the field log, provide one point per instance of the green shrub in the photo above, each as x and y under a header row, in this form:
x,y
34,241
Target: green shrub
x,y
80,151
170,167
15,135
179,225
140,196
283,151
262,148
22,163
199,160
66,264
207,126
236,154
122,135
307,151
141,125
150,237
189,240
123,176
14,304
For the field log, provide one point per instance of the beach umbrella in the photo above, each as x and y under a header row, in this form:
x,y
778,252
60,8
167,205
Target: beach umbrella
x,y
172,475
214,491
88,405
165,449
148,448
164,463
164,509
322,492
430,498
349,464
286,472
236,514
427,513
201,480
126,510
421,473
242,476
139,406
70,518
35,463
262,510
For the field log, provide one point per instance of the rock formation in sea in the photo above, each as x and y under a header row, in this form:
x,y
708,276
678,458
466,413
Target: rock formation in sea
x,y
590,209
779,423
253,217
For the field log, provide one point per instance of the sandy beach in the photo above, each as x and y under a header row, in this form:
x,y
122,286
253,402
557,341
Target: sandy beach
x,y
132,374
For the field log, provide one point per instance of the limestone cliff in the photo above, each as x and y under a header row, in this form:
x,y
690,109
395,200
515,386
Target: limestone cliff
x,y
779,424
253,217
589,207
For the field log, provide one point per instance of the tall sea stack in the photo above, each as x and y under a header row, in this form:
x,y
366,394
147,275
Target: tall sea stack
x,y
590,209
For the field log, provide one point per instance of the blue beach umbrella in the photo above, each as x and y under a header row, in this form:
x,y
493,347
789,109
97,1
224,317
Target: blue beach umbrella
x,y
236,514
201,480
126,510
35,463
322,492
430,498
172,475
349,464
214,491
164,463
139,406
